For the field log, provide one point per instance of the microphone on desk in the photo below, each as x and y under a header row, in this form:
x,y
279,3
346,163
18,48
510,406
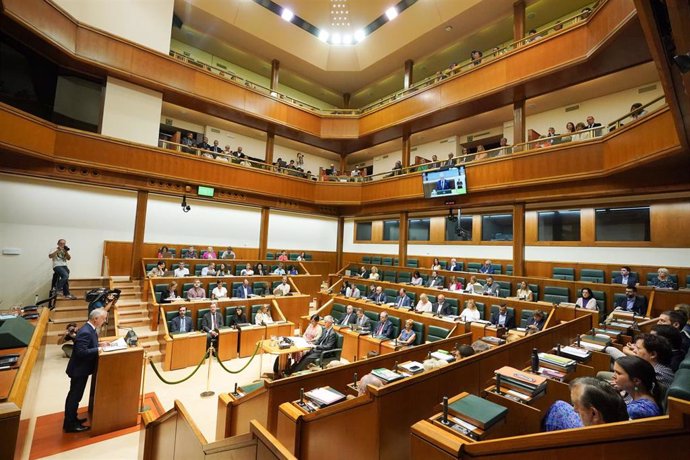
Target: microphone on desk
x,y
445,410
498,383
558,349
235,391
355,380
578,340
301,395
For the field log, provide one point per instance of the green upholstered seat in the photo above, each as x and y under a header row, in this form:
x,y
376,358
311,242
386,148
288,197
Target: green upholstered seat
x,y
435,333
563,273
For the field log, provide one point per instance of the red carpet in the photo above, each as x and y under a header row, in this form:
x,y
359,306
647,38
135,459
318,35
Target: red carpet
x,y
49,439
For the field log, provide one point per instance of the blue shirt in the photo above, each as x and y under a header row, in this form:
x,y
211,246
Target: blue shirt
x,y
561,416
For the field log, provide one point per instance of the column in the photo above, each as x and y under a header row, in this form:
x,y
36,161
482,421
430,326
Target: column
x,y
346,100
339,244
408,73
263,232
519,122
402,240
275,69
406,147
270,142
519,239
343,163
138,238
518,20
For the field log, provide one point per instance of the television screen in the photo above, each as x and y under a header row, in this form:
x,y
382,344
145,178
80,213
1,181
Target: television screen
x,y
444,182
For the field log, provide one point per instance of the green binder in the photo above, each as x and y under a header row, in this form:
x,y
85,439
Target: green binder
x,y
477,411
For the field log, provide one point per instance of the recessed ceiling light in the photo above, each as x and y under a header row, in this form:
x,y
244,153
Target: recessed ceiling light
x,y
323,35
287,14
360,35
347,39
391,13
336,39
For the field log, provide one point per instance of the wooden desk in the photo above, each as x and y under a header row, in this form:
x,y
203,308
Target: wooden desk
x,y
350,343
116,391
228,343
251,335
184,350
7,376
271,347
368,344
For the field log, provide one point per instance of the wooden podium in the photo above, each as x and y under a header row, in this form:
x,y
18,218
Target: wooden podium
x,y
116,393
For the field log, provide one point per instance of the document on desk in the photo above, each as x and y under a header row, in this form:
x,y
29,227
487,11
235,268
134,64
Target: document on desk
x,y
118,344
301,342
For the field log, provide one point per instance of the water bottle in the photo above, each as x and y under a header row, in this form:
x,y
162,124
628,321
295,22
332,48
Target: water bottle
x,y
535,360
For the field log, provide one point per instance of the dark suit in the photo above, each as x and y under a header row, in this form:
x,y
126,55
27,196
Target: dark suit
x,y
364,322
639,306
384,329
488,270
632,280
239,292
509,322
445,309
378,298
327,341
538,324
82,363
402,301
442,184
493,290
206,327
176,324
235,320
433,282
454,268
348,319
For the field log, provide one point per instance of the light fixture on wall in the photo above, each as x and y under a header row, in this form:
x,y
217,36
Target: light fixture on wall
x,y
185,206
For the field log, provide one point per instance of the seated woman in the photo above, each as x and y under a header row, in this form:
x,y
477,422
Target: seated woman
x,y
311,334
247,270
191,253
171,293
292,270
436,264
524,292
263,316
594,402
223,270
416,279
474,286
587,300
663,280
423,305
239,317
210,253
158,270
637,378
302,257
259,270
455,284
407,335
220,291
374,275
164,253
470,313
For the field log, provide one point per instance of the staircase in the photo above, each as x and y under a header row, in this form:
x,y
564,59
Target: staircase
x,y
132,312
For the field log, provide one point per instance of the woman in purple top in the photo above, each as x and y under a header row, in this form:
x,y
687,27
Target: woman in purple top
x,y
637,378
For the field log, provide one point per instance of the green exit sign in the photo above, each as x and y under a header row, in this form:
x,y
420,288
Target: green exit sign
x,y
206,191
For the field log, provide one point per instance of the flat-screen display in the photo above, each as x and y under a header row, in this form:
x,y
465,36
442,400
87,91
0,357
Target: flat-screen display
x,y
444,182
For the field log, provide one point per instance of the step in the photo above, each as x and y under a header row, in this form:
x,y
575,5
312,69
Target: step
x,y
69,312
82,282
129,322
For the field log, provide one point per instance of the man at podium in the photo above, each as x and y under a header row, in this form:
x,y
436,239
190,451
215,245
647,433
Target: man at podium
x,y
82,363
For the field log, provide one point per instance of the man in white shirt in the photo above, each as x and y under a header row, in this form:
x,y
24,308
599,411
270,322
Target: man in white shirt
x,y
353,291
181,271
209,270
280,270
283,288
220,291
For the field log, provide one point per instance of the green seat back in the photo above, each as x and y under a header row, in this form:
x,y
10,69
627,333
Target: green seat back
x,y
260,287
473,267
338,311
418,329
238,269
494,309
396,325
372,315
391,294
563,273
414,263
186,287
169,315
199,316
270,256
160,287
255,310
198,268
600,297
390,276
293,256
535,290
376,260
525,316
366,260
498,269
235,285
556,294
396,261
453,305
150,267
211,287
651,276
412,296
387,261
159,296
509,270
435,333
443,264
404,277
591,275
308,257
432,298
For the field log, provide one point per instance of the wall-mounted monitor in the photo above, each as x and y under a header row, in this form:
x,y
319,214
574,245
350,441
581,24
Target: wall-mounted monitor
x,y
444,182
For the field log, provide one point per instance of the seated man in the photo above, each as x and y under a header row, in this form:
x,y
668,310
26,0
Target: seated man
x,y
536,323
181,323
181,271
349,317
228,253
283,288
384,328
378,295
434,280
632,302
594,402
678,319
158,270
491,288
487,268
209,270
244,291
441,307
454,266
327,341
191,253
210,323
402,300
362,321
196,292
626,277
352,291
280,270
503,317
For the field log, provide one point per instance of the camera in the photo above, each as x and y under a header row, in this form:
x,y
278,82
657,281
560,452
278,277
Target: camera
x,y
66,248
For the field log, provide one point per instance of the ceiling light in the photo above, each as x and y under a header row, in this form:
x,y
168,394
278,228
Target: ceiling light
x,y
336,39
391,13
449,28
287,15
274,94
360,35
323,35
347,39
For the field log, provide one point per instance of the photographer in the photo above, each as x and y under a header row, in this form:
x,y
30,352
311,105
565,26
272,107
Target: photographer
x,y
102,298
67,340
60,256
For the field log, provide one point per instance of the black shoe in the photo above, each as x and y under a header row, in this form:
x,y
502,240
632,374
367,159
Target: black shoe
x,y
77,429
81,420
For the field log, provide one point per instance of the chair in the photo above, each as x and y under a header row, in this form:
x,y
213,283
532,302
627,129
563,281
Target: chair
x,y
556,294
200,316
498,269
509,270
535,290
308,257
391,294
235,285
561,273
333,354
494,309
186,287
653,275
600,297
418,329
159,296
366,260
255,310
198,268
432,298
270,256
505,288
443,264
453,306
376,260
615,273
150,267
461,265
413,297
211,287
481,308
591,275
396,325
436,333
390,276
525,316
260,287
160,288
238,270
184,253
293,256
412,263
387,261
473,267
338,311
396,261
404,277
372,315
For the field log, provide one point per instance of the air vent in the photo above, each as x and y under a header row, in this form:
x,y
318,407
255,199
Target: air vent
x,y
215,130
572,107
221,66
646,89
413,149
383,157
443,141
168,121
187,53
478,135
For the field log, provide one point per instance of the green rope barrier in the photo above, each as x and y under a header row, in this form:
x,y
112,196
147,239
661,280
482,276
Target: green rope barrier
x,y
243,367
155,371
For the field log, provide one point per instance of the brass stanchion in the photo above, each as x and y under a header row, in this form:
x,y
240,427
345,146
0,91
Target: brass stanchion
x,y
208,391
142,407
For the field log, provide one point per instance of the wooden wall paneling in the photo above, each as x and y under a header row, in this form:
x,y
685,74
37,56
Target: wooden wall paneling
x,y
403,238
340,128
476,228
339,245
263,232
437,230
519,239
138,234
587,230
670,224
